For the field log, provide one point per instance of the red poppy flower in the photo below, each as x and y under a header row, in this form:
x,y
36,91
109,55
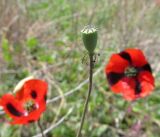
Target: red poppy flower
x,y
28,103
129,74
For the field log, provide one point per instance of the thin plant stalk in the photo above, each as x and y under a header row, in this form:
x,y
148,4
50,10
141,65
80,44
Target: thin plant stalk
x,y
40,127
88,96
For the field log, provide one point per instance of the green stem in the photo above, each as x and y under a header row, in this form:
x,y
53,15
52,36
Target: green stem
x,y
88,96
40,127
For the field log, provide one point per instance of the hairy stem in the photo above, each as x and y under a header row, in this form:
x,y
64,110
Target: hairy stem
x,y
40,127
88,96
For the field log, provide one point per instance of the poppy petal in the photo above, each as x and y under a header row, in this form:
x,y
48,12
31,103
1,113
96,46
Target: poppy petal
x,y
21,120
137,57
35,89
147,83
123,85
126,86
116,64
12,106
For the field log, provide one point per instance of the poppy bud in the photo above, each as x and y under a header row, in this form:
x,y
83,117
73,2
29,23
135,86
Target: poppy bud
x,y
89,36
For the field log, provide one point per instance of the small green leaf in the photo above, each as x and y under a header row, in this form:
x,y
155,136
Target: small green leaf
x,y
32,42
5,49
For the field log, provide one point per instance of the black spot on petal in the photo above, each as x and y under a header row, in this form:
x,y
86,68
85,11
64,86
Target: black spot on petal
x,y
13,110
138,87
33,94
147,67
125,56
113,77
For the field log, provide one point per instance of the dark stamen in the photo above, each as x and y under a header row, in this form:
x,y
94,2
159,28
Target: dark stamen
x,y
130,71
30,106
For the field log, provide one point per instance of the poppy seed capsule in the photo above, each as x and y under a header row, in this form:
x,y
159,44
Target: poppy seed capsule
x,y
89,36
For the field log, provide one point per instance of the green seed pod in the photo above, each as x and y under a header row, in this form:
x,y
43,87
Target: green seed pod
x,y
89,36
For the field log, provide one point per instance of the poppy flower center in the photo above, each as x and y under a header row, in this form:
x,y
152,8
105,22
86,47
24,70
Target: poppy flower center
x,y
130,71
30,106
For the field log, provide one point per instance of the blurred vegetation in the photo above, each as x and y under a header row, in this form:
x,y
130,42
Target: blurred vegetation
x,y
42,37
